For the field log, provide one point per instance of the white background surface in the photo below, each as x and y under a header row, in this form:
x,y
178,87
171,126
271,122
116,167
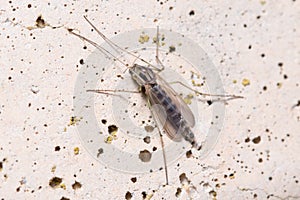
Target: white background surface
x,y
38,72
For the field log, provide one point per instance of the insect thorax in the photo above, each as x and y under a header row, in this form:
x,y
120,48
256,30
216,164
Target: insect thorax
x,y
142,75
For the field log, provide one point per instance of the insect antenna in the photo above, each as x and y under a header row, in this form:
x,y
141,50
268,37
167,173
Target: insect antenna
x,y
101,49
115,46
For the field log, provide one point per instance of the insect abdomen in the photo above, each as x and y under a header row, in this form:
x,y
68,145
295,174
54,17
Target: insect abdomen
x,y
174,115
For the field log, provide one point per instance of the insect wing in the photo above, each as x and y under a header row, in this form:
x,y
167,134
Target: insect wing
x,y
159,113
178,101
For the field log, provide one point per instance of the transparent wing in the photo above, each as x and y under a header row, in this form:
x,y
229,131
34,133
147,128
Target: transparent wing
x,y
178,101
159,113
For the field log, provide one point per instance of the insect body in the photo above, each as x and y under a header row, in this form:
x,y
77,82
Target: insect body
x,y
166,106
175,116
169,108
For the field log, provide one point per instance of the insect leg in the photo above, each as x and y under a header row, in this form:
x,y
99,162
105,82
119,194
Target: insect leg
x,y
229,96
108,91
161,141
111,92
158,61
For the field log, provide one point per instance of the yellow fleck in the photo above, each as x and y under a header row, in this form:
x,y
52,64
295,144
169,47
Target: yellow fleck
x,y
114,135
143,38
263,2
231,176
196,84
149,196
279,85
65,129
234,81
154,39
109,139
53,169
195,74
74,120
245,82
76,150
63,186
30,27
188,99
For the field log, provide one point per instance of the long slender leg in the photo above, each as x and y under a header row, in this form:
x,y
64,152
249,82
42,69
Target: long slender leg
x,y
158,61
111,92
229,96
162,143
107,91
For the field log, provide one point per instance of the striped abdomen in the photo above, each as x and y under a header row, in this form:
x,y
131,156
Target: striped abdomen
x,y
173,114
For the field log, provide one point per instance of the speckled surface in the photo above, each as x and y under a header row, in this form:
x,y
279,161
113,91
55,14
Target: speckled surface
x,y
255,47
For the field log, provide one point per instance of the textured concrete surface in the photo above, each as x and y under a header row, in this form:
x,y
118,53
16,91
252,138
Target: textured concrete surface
x,y
253,44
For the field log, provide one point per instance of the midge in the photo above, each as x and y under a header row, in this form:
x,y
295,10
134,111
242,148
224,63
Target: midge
x,y
166,106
